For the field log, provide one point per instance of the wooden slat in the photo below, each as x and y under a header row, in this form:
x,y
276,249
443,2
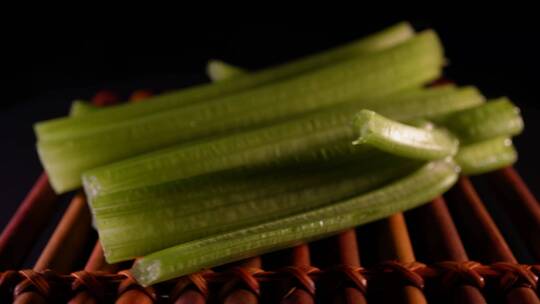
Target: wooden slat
x,y
520,204
69,238
96,262
483,235
25,226
395,244
242,295
65,245
347,245
441,242
300,256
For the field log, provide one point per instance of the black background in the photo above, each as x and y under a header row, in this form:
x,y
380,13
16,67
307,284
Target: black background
x,y
47,71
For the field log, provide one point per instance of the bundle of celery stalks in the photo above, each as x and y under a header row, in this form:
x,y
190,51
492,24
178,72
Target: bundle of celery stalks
x,y
258,161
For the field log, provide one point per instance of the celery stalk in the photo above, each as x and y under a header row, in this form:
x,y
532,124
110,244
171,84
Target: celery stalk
x,y
385,39
81,107
185,216
485,156
401,139
495,118
407,65
416,61
218,70
419,187
318,136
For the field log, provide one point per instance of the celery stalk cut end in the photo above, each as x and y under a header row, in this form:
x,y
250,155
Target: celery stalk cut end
x,y
403,140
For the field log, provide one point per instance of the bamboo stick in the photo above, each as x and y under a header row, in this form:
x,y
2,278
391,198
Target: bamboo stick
x,y
71,233
96,262
64,246
242,295
488,242
35,211
442,243
68,239
300,257
396,245
347,245
520,204
26,224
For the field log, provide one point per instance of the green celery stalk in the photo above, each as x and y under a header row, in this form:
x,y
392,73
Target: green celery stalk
x,y
401,139
218,70
409,64
499,117
419,187
175,219
485,156
248,109
81,107
388,38
259,182
318,136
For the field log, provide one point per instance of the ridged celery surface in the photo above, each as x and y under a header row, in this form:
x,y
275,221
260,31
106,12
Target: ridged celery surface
x,y
499,117
431,180
410,64
485,156
371,44
315,136
129,229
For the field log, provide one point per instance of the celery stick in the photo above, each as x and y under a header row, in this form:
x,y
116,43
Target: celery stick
x,y
259,182
318,136
218,70
419,187
410,64
401,139
386,39
485,156
495,118
81,107
64,161
180,219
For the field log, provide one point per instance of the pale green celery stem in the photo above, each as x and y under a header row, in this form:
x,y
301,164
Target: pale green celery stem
x,y
404,140
81,107
369,76
129,230
495,118
261,180
379,41
423,185
162,130
218,70
485,156
319,136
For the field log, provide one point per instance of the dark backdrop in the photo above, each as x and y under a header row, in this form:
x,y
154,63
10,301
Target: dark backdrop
x,y
46,71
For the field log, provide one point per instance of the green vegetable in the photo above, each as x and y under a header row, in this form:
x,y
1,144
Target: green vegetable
x,y
416,61
81,107
128,228
400,139
409,64
318,136
495,118
62,127
419,187
485,156
218,70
